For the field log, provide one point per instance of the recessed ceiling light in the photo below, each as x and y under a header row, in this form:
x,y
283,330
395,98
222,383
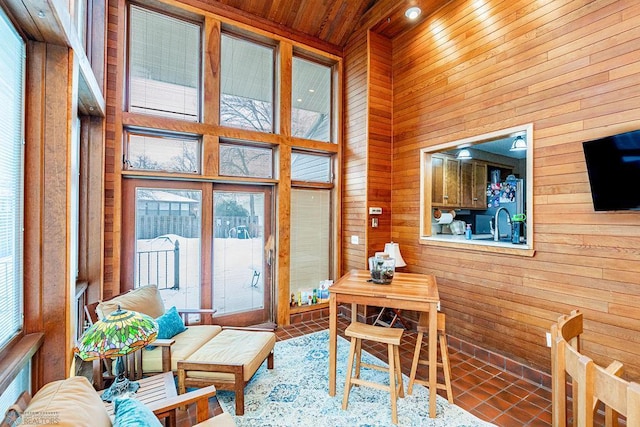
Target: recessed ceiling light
x,y
299,99
312,90
413,12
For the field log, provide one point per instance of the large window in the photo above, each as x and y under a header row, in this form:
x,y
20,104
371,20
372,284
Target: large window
x,y
246,99
310,238
164,65
311,100
11,174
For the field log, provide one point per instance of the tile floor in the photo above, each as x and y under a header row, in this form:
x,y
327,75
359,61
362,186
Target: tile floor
x,y
488,392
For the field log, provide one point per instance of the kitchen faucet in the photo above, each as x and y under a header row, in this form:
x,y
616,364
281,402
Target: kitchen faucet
x,y
496,234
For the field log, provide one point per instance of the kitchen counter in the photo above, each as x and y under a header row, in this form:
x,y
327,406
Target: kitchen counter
x,y
477,239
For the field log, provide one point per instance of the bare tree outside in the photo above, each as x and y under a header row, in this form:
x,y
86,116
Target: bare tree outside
x,y
246,113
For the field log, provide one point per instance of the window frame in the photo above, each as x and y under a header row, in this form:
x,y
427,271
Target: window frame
x,y
226,142
298,53
156,133
426,207
175,14
275,101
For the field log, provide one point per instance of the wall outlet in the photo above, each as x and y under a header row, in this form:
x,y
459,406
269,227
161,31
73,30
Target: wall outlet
x,y
438,305
548,339
355,240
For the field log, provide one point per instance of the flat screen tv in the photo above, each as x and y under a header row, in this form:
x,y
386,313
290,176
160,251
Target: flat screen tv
x,y
613,165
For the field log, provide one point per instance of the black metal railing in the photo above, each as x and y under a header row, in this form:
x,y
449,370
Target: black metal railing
x,y
159,267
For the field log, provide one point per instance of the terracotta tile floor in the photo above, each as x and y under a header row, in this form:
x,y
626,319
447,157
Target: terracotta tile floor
x,y
484,390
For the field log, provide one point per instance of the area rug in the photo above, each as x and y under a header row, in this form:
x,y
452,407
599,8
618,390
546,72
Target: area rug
x,y
295,393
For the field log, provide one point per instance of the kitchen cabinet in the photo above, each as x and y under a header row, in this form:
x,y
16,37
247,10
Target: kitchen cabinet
x,y
445,179
473,184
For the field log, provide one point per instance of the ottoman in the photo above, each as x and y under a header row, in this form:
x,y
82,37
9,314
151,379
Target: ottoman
x,y
227,361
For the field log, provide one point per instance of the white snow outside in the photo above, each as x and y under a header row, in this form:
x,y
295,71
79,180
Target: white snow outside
x,y
238,282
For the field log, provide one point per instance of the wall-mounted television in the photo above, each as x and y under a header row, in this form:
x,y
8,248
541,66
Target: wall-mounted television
x,y
613,165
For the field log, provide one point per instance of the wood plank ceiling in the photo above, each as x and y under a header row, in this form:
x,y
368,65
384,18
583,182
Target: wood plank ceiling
x,y
332,22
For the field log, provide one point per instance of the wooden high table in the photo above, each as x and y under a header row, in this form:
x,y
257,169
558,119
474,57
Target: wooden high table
x,y
407,291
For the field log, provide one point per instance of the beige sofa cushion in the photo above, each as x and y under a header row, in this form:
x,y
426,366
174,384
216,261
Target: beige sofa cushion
x,y
222,420
145,299
187,342
67,403
249,348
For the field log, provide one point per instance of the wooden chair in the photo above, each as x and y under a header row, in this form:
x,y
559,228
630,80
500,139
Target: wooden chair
x,y
423,326
565,353
618,395
164,410
389,336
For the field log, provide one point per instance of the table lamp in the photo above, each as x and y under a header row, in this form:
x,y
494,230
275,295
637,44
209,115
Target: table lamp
x,y
120,333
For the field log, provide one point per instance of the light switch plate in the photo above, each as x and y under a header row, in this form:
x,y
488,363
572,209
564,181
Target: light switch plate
x,y
355,240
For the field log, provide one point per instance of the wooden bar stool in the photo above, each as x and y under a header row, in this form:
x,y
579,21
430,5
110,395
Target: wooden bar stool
x,y
391,337
423,326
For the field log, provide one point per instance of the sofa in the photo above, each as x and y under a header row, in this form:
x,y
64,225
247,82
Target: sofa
x,y
203,355
74,403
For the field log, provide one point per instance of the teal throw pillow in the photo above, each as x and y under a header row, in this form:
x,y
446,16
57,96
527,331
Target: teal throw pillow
x,y
170,324
130,412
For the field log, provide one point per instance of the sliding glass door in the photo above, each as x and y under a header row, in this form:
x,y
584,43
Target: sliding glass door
x,y
242,282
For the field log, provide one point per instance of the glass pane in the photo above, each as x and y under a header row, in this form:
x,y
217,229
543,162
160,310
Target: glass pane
x,y
238,252
22,382
163,153
237,160
11,176
164,65
310,239
311,100
310,167
246,99
168,244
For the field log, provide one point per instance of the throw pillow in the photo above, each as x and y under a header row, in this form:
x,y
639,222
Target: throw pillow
x,y
130,412
170,324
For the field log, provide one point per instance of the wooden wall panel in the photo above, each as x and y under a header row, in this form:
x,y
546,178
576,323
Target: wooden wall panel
x,y
379,140
354,164
571,69
47,227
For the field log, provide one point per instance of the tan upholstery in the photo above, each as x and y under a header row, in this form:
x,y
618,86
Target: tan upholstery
x,y
146,300
233,347
72,402
186,343
222,420
228,361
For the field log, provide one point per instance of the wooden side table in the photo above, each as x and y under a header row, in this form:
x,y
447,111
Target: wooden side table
x,y
154,389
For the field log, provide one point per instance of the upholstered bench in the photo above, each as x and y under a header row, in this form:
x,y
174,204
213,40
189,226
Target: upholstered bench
x,y
227,361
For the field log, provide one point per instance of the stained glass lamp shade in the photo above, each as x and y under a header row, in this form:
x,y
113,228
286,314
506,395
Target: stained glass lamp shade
x,y
120,333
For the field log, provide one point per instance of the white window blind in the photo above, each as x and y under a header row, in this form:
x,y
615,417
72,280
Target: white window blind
x,y
11,176
310,238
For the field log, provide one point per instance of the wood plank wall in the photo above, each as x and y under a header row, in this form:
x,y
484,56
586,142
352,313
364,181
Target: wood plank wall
x,y
379,140
572,68
354,164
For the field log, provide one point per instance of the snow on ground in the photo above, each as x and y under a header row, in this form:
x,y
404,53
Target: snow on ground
x,y
236,264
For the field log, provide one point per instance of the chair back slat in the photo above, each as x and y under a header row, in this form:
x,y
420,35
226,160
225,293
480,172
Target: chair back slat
x,y
591,383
